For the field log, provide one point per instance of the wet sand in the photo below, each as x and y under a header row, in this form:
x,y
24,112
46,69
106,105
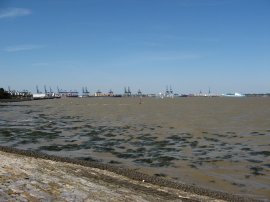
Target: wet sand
x,y
218,143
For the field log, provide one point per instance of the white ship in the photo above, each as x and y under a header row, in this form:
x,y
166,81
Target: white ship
x,y
233,95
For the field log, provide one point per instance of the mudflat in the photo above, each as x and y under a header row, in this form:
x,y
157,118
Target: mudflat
x,y
221,144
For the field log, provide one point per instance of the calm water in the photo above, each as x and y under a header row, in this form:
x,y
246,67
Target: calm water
x,y
217,143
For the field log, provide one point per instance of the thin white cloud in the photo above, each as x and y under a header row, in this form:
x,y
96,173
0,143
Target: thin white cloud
x,y
25,47
14,12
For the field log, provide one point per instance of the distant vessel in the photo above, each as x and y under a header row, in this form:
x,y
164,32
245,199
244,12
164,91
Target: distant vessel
x,y
64,93
68,93
39,95
109,94
233,95
47,95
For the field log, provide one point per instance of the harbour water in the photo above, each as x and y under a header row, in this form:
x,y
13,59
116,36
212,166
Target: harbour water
x,y
217,143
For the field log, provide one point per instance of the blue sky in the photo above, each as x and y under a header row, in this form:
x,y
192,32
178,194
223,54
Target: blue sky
x,y
147,44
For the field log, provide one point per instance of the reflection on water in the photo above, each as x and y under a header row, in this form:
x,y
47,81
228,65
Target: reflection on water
x,y
219,143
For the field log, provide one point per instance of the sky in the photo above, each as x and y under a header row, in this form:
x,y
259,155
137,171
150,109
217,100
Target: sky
x,y
192,45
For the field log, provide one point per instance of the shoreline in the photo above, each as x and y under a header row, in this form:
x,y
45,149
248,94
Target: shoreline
x,y
132,175
15,100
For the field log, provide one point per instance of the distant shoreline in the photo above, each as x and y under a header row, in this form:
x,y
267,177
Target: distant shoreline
x,y
15,100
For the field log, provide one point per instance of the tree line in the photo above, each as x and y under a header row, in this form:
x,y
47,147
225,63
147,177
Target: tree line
x,y
4,94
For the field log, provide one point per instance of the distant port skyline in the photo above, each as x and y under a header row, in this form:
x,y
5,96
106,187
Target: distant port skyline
x,y
144,89
168,91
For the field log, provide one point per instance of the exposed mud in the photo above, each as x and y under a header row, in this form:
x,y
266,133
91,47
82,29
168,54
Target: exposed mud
x,y
219,143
